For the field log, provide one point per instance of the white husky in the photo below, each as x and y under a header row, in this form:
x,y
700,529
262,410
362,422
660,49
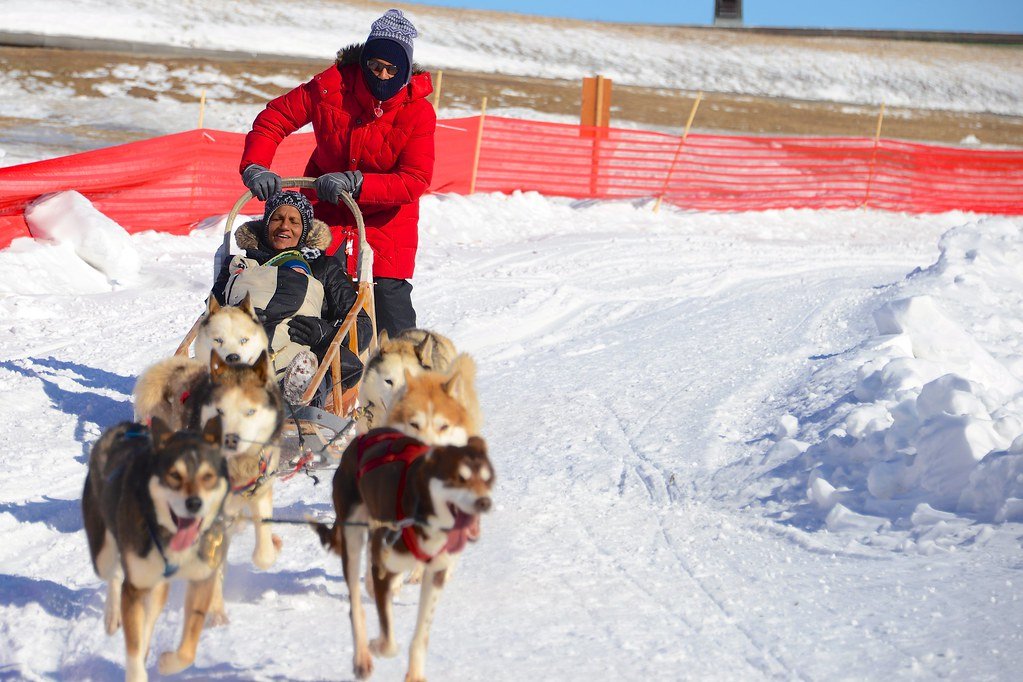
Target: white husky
x,y
235,333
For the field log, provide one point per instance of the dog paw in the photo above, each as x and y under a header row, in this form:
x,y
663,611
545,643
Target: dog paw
x,y
264,558
278,543
410,677
363,666
216,619
172,662
111,619
382,648
135,671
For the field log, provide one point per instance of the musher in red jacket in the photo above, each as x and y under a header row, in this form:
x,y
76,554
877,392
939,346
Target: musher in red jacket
x,y
374,129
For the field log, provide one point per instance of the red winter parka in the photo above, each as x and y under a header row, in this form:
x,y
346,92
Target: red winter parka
x,y
394,151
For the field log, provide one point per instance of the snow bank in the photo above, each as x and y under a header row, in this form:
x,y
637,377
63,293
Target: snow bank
x,y
69,218
32,268
934,421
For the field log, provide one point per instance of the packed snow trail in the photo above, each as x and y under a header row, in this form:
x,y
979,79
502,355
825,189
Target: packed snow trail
x,y
631,368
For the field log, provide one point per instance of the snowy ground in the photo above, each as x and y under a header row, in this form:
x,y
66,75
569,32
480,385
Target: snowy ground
x,y
961,78
728,446
712,462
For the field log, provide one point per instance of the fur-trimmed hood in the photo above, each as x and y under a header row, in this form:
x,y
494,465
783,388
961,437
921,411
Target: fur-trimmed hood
x,y
351,53
250,236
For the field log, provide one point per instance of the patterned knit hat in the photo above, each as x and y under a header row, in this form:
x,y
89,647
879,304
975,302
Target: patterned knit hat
x,y
289,198
394,26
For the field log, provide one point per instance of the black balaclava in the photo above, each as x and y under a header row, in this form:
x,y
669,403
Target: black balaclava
x,y
389,51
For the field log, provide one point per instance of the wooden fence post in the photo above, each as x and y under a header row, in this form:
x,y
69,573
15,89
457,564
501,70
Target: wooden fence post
x,y
479,145
436,92
596,102
594,117
873,156
202,108
678,150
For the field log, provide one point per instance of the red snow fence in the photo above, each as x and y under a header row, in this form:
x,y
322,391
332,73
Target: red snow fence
x,y
169,183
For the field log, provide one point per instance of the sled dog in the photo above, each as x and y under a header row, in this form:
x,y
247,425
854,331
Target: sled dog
x,y
152,513
251,409
419,502
414,351
438,408
234,331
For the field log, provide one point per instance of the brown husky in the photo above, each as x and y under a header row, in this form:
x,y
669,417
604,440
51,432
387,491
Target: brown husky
x,y
251,408
438,408
419,503
152,513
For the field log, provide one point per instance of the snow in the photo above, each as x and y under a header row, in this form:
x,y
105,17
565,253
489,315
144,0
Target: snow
x,y
697,478
785,444
44,113
69,218
450,39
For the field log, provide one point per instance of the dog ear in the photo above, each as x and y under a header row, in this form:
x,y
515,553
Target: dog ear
x,y
246,306
213,431
424,351
382,337
460,377
262,366
217,364
212,305
478,444
159,432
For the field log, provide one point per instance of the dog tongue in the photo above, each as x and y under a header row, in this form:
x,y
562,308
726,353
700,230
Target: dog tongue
x,y
462,520
188,531
465,528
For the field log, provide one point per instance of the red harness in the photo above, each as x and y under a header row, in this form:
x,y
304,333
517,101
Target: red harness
x,y
400,448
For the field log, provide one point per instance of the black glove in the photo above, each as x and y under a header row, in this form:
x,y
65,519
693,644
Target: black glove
x,y
330,185
314,332
261,182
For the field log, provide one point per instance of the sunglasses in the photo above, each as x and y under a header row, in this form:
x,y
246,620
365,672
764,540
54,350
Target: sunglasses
x,y
378,67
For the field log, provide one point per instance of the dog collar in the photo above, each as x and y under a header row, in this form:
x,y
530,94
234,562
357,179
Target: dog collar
x,y
250,488
169,569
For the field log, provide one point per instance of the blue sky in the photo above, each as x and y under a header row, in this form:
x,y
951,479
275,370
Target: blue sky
x,y
1003,16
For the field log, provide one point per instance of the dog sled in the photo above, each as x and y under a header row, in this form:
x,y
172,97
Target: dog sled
x,y
314,437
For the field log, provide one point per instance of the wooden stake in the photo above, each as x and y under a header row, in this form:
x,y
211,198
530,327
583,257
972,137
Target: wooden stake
x,y
873,156
436,91
479,145
202,108
678,150
599,120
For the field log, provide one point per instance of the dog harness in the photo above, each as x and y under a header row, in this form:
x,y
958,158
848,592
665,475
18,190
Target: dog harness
x,y
399,448
252,487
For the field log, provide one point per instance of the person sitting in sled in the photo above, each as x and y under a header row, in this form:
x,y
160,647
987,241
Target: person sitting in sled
x,y
373,126
301,294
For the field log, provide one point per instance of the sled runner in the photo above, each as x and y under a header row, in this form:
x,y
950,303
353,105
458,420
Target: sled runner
x,y
314,437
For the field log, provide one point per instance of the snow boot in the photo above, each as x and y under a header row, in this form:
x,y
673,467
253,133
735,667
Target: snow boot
x,y
297,376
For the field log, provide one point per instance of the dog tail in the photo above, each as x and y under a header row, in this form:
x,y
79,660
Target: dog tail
x,y
330,536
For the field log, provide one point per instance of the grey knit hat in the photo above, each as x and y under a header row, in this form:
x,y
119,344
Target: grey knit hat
x,y
394,26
